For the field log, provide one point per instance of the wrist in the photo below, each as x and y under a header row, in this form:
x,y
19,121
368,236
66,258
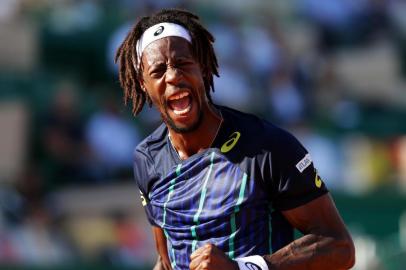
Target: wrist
x,y
255,262
235,265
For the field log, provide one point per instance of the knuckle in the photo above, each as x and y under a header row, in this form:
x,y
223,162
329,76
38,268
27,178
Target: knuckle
x,y
208,261
209,247
205,265
206,255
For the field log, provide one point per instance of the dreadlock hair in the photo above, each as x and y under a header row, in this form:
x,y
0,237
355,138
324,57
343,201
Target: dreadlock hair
x,y
130,70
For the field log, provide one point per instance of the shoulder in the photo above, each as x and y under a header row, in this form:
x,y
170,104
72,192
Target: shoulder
x,y
249,136
145,155
258,131
154,142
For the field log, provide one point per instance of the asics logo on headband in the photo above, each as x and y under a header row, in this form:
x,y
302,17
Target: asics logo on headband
x,y
159,31
156,32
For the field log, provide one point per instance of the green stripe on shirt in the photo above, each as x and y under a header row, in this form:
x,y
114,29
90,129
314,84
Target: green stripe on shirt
x,y
232,219
201,202
171,189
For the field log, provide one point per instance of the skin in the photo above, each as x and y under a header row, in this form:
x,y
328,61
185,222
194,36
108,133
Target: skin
x,y
326,243
163,262
169,67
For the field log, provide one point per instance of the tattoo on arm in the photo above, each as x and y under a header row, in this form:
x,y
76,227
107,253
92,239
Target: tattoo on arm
x,y
325,245
309,252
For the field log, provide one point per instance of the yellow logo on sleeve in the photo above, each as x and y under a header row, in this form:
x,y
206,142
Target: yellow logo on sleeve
x,y
317,180
143,200
228,145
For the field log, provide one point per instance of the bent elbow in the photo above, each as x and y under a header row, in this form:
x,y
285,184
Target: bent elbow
x,y
351,254
348,253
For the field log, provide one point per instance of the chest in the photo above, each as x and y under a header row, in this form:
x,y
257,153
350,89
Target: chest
x,y
207,190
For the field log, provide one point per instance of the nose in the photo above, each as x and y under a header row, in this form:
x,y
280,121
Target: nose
x,y
173,75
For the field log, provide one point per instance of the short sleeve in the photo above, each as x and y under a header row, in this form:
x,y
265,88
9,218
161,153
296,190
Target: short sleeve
x,y
143,174
295,178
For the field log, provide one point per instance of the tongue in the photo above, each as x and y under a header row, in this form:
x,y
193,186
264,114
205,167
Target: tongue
x,y
179,104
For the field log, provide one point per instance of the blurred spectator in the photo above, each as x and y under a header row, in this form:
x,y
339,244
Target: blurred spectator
x,y
14,123
375,18
329,97
400,161
328,89
9,9
396,11
7,253
285,100
35,241
227,45
30,185
326,155
232,88
133,247
336,21
114,42
112,140
64,152
366,162
262,50
70,16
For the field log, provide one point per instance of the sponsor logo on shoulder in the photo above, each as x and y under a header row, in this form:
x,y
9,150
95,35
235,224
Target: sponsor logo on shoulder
x,y
143,200
229,144
304,163
317,180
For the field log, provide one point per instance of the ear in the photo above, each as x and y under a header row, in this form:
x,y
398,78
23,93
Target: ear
x,y
142,84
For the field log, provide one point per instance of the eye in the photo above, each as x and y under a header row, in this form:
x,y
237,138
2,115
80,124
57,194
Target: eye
x,y
184,63
157,71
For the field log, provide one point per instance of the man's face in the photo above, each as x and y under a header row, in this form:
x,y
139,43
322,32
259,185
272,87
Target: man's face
x,y
173,79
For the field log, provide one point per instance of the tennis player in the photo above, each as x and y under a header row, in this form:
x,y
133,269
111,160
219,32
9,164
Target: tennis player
x,y
222,189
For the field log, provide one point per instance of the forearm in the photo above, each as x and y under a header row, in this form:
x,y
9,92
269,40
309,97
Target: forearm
x,y
163,262
313,252
161,265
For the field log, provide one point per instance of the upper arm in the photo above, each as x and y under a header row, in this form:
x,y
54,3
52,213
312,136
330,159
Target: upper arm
x,y
320,217
326,243
294,178
143,175
161,247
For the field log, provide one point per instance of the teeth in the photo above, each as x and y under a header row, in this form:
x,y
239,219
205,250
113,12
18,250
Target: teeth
x,y
179,96
182,111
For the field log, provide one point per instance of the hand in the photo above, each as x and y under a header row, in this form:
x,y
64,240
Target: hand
x,y
210,257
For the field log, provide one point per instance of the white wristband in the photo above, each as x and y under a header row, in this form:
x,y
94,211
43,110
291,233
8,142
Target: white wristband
x,y
252,263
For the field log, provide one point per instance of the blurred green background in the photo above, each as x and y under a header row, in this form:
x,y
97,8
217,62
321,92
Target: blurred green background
x,y
332,72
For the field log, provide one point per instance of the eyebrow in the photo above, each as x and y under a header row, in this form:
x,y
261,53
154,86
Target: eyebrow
x,y
175,60
156,65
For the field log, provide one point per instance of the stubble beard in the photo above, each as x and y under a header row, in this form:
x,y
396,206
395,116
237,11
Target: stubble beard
x,y
169,122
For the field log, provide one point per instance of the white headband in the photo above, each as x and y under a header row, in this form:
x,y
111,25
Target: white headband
x,y
159,31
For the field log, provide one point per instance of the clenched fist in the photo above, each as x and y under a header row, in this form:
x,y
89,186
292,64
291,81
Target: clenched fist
x,y
210,257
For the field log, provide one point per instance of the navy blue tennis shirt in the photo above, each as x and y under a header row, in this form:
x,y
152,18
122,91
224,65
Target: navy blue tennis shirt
x,y
230,194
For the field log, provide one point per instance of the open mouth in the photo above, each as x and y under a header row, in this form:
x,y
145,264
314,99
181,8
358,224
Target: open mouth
x,y
180,103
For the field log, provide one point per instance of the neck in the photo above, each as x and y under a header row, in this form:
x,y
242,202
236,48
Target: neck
x,y
190,143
